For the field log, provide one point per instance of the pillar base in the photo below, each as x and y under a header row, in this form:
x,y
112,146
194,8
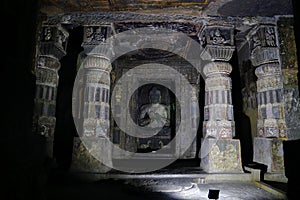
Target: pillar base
x,y
83,161
269,151
224,156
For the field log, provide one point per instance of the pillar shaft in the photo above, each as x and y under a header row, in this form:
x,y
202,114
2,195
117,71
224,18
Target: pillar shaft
x,y
96,96
218,121
271,125
219,152
93,107
51,49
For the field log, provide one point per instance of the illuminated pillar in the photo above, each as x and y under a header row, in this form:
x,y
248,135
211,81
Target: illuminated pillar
x,y
93,108
219,151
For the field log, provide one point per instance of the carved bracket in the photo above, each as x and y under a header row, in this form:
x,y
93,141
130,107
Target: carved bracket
x,y
94,35
217,35
53,40
263,36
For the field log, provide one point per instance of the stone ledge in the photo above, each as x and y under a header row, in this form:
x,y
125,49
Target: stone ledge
x,y
209,178
278,177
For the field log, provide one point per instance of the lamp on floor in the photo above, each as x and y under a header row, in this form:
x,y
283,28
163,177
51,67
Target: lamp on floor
x,y
213,194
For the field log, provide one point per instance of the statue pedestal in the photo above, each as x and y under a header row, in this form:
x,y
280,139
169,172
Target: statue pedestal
x,y
83,161
269,151
223,156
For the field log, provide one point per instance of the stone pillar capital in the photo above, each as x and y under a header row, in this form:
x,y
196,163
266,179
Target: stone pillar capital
x,y
263,35
217,34
217,69
263,45
270,69
95,61
218,42
53,40
95,39
49,62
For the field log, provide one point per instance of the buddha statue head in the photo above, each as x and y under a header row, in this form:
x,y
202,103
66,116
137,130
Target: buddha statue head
x,y
155,95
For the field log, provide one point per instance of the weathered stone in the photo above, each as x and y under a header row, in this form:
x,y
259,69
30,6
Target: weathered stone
x,y
269,151
264,55
287,43
292,113
271,124
290,80
53,41
83,159
224,156
217,53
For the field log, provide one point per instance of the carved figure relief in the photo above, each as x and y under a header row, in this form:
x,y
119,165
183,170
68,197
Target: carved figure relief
x,y
260,132
216,35
256,41
271,132
218,38
270,36
155,114
97,34
224,157
282,129
44,130
41,62
89,34
153,108
47,34
61,38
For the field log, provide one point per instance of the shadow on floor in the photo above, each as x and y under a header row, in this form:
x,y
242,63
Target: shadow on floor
x,y
67,187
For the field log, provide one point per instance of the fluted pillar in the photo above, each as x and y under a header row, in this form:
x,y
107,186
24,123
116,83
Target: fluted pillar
x,y
93,106
51,48
219,152
271,125
218,109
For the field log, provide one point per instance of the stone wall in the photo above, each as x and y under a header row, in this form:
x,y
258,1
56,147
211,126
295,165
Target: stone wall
x,y
289,67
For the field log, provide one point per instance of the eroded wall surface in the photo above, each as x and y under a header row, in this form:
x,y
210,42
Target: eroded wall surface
x,y
289,67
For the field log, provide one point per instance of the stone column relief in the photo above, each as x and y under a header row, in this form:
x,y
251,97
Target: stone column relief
x,y
271,125
95,112
51,48
221,152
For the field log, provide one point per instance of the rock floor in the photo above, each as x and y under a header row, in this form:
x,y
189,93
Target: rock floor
x,y
158,189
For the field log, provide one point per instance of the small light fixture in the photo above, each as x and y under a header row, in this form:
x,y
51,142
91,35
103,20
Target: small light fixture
x,y
213,194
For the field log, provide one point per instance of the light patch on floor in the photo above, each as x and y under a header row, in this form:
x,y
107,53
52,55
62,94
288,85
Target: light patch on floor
x,y
187,189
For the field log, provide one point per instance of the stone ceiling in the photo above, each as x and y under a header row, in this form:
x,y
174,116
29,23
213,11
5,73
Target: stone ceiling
x,y
184,7
61,6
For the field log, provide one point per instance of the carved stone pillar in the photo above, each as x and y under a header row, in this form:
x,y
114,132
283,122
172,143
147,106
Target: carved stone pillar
x,y
222,153
95,106
52,48
271,126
